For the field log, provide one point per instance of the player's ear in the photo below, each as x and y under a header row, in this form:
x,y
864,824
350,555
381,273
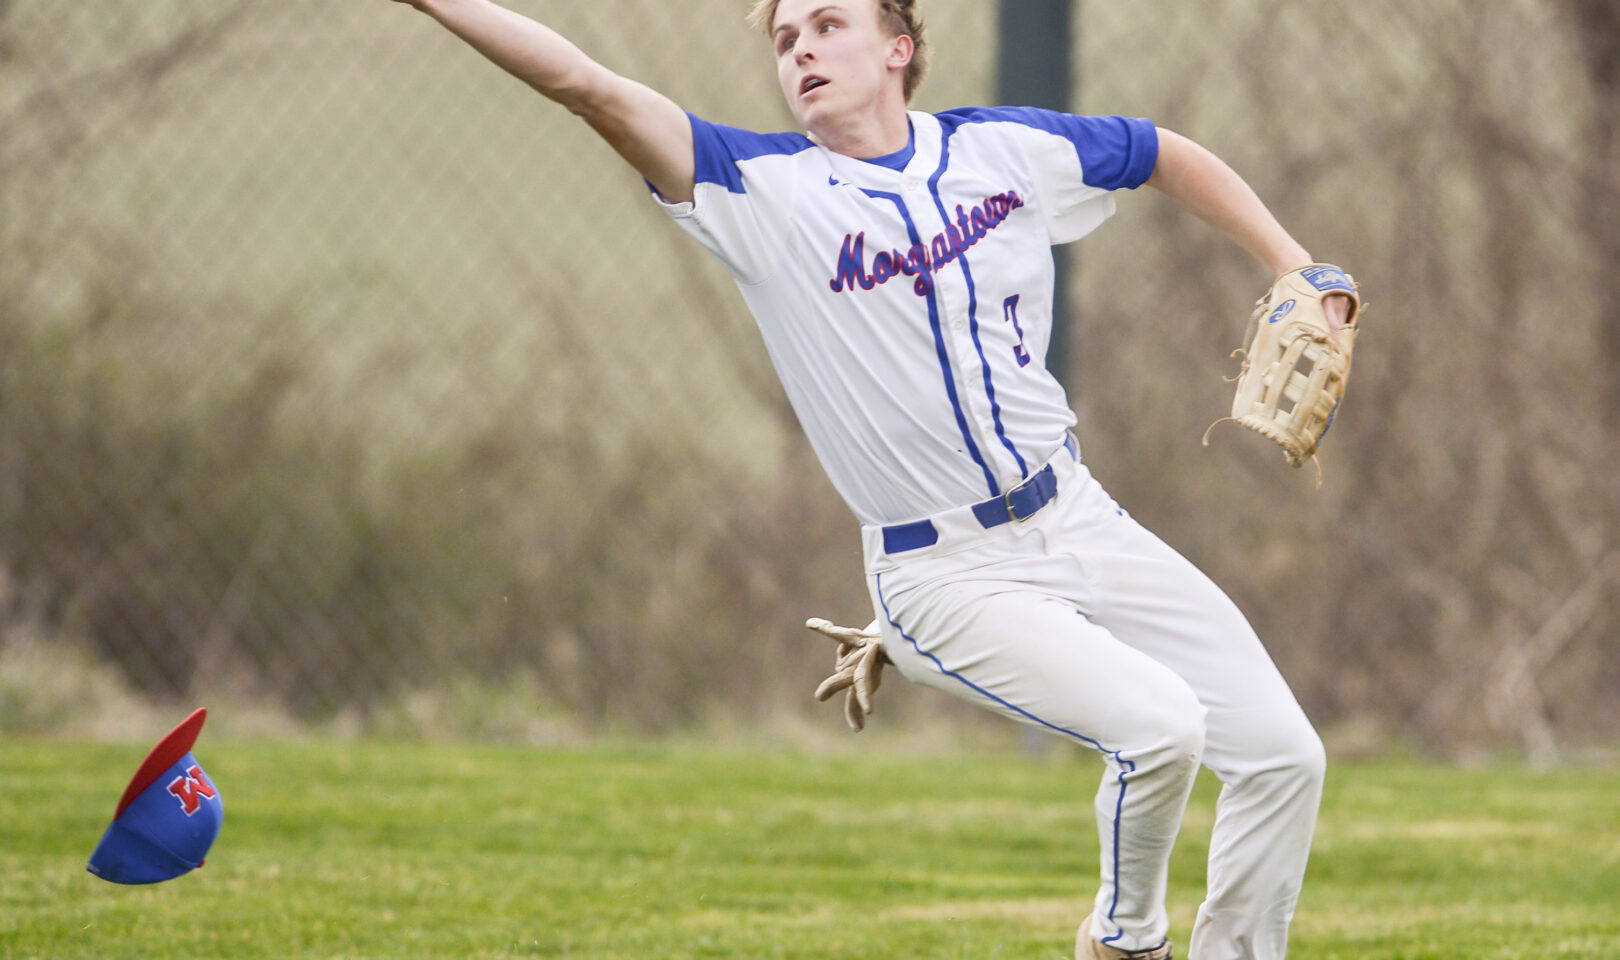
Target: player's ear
x,y
901,50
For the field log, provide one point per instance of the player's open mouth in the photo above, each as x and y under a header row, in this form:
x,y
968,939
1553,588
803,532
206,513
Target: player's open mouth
x,y
811,83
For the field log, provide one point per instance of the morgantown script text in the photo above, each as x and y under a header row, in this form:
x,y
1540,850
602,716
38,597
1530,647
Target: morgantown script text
x,y
921,260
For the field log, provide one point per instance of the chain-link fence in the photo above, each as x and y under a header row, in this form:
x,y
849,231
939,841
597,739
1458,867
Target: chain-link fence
x,y
336,365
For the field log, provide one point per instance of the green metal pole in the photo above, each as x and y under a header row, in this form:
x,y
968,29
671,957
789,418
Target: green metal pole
x,y
1035,69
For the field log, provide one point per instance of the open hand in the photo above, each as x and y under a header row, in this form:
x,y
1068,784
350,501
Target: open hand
x,y
858,667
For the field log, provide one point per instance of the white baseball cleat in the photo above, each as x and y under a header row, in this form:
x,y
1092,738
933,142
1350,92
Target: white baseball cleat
x,y
1087,947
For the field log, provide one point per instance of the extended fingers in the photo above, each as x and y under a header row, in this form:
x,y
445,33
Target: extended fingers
x,y
835,683
867,674
841,634
844,671
853,714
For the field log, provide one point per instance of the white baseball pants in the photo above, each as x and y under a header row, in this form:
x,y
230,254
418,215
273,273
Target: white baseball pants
x,y
1080,621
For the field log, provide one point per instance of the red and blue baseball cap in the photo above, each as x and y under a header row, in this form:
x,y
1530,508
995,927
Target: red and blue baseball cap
x,y
168,816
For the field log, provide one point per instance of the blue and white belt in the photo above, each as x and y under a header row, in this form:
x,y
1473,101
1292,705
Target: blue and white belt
x,y
1019,503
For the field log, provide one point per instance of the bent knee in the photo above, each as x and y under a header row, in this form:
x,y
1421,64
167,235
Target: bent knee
x,y
1305,759
1177,732
1188,733
1285,750
1298,757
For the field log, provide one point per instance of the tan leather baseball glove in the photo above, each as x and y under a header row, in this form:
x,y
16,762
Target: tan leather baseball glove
x,y
858,668
1295,369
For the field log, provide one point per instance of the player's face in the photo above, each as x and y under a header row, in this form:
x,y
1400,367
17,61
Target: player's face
x,y
834,58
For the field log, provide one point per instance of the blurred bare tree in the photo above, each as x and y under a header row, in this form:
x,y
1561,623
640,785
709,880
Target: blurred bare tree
x,y
1455,580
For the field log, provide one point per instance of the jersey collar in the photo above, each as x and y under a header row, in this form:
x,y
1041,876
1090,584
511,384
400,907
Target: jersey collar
x,y
925,131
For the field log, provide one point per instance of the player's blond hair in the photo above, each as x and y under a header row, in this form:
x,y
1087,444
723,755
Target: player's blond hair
x,y
900,17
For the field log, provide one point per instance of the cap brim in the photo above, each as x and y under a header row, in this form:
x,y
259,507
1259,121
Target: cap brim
x,y
174,745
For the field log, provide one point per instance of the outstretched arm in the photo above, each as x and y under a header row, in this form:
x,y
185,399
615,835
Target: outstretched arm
x,y
647,128
1203,184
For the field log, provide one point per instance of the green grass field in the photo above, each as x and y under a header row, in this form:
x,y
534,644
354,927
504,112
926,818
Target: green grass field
x,y
371,850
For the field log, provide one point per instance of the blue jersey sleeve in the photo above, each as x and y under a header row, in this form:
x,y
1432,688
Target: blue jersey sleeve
x,y
1073,163
1115,153
720,151
743,190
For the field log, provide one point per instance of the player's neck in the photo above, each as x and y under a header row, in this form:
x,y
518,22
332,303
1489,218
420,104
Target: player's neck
x,y
873,133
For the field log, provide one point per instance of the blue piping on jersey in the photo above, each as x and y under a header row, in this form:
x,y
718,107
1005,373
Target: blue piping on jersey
x,y
1125,766
939,344
973,305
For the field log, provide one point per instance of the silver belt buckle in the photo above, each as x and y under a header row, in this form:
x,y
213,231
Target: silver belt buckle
x,y
1007,499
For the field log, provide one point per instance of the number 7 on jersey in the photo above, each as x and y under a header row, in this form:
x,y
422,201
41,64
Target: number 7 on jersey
x,y
1009,312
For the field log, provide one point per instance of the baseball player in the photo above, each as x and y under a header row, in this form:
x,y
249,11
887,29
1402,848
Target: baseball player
x,y
899,266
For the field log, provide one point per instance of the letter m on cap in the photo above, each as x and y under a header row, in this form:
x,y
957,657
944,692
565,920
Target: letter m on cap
x,y
190,789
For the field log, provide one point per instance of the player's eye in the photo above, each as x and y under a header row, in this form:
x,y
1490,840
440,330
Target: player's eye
x,y
784,43
828,27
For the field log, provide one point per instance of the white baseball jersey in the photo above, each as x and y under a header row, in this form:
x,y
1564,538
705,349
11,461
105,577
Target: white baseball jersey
x,y
907,305
908,311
